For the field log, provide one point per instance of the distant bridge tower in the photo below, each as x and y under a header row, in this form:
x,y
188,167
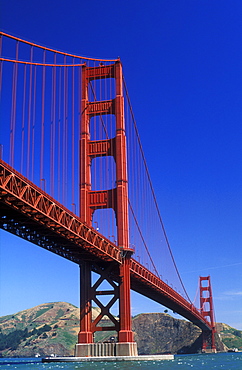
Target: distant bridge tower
x,y
207,311
117,199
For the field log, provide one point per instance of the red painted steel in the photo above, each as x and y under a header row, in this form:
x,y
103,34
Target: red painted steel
x,y
18,194
113,292
30,213
51,50
115,198
206,305
85,335
151,286
125,333
121,163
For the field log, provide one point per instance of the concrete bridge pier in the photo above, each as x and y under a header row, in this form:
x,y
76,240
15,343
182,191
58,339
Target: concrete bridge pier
x,y
106,349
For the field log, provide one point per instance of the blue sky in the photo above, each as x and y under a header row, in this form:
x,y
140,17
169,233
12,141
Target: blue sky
x,y
182,66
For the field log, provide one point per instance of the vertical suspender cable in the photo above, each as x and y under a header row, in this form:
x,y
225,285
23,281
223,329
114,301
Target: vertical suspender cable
x,y
73,137
33,126
59,137
93,133
23,121
53,130
1,66
42,135
79,92
65,134
1,69
154,198
29,112
13,107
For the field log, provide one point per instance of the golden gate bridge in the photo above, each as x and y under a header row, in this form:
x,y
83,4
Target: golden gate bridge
x,y
74,180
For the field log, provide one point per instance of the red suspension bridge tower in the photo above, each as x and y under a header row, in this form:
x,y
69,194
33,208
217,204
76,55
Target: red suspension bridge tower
x,y
92,200
207,311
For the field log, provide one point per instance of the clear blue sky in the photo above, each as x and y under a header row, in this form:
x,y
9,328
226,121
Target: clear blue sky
x,y
182,64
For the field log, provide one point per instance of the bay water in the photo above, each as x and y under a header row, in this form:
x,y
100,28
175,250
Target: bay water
x,y
224,361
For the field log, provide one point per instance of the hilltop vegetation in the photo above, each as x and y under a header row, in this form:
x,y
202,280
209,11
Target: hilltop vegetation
x,y
231,337
52,328
14,338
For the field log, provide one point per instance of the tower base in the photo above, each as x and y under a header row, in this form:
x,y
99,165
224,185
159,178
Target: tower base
x,y
126,349
106,349
209,350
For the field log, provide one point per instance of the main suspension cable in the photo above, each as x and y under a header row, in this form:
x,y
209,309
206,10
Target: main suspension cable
x,y
56,51
152,190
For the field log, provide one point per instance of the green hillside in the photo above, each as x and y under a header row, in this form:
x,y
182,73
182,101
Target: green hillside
x,y
231,337
52,328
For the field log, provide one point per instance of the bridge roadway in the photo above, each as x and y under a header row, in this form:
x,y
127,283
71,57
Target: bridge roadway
x,y
30,213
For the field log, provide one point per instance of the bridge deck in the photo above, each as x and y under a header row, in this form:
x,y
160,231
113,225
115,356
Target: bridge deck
x,y
30,213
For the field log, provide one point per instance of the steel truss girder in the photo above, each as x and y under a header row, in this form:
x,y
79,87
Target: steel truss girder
x,y
36,235
23,196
